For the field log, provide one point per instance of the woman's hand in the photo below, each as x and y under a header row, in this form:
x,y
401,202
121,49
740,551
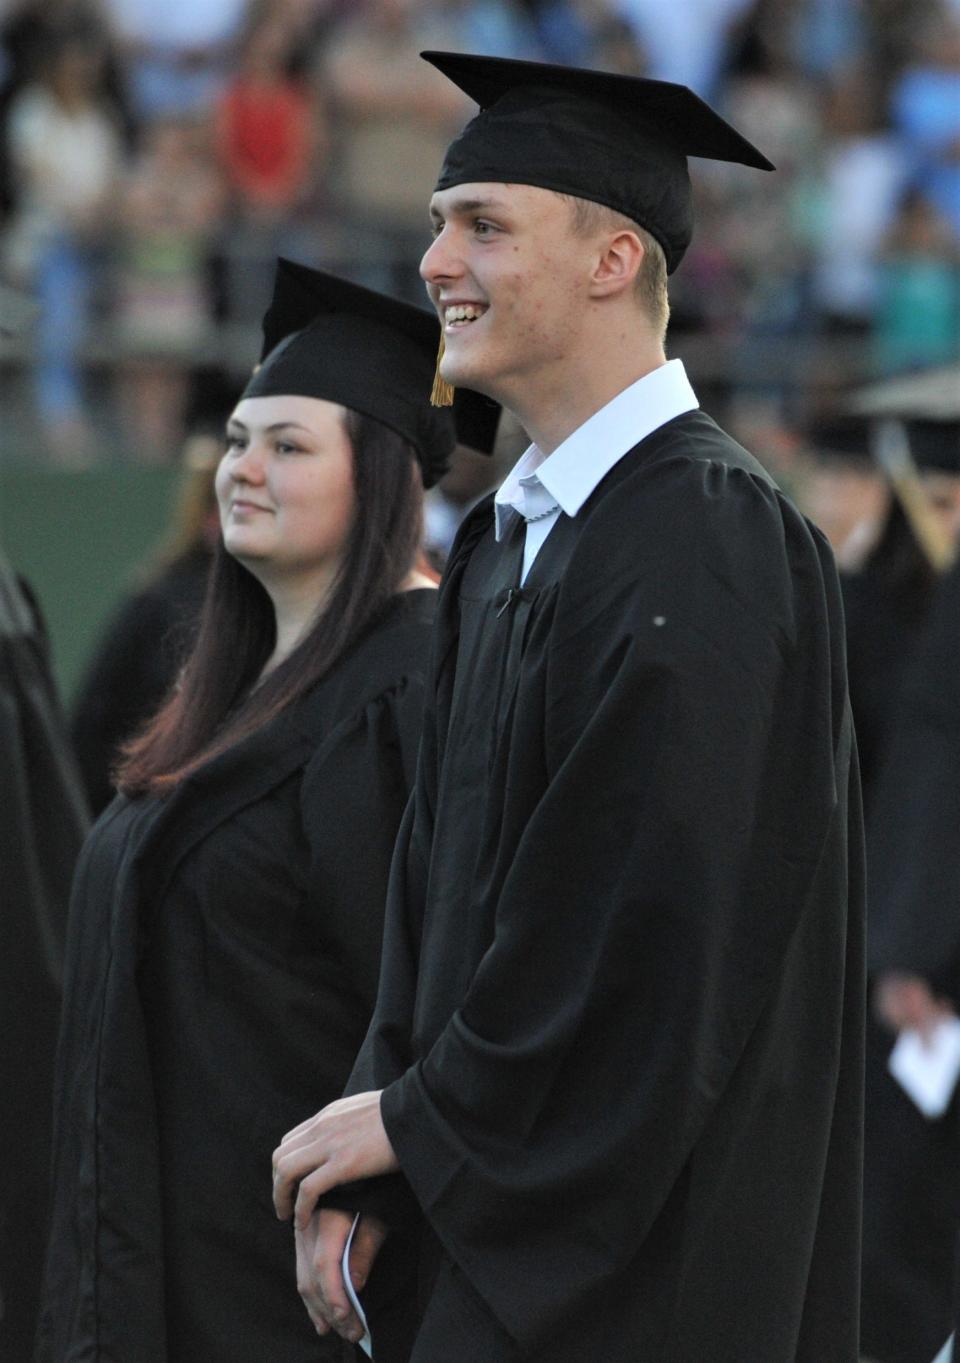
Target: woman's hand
x,y
902,1001
344,1142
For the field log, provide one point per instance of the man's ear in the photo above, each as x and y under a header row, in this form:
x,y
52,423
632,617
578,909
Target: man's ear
x,y
617,265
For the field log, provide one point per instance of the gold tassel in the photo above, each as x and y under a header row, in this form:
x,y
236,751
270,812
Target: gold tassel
x,y
441,394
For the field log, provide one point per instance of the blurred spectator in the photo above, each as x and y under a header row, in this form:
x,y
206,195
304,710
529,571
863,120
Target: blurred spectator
x,y
271,133
768,231
918,312
925,105
394,117
590,33
863,172
272,142
27,30
770,99
665,31
828,36
151,633
497,28
169,211
174,52
66,154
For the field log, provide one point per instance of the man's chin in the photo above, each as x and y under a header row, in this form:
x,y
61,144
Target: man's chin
x,y
467,376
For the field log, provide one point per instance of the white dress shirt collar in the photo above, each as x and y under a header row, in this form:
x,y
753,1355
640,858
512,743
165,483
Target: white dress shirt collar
x,y
565,479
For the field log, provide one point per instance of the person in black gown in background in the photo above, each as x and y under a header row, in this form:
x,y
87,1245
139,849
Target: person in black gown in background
x,y
614,1076
911,1169
152,631
225,926
42,828
887,599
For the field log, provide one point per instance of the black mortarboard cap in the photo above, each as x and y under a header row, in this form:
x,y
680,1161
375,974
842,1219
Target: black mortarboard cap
x,y
935,444
616,140
325,337
928,403
839,438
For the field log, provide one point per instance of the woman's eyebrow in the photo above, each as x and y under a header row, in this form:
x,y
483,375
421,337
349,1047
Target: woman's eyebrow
x,y
235,423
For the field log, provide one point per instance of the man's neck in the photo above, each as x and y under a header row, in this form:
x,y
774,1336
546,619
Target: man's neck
x,y
549,413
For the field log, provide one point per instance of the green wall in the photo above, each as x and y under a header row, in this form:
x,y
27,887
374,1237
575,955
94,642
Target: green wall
x,y
80,539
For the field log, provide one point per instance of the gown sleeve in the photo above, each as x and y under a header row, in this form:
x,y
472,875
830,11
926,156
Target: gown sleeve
x,y
353,797
385,1053
695,732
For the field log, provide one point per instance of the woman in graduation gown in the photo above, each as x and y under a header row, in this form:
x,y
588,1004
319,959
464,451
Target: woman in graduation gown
x,y
887,600
225,926
911,1180
914,954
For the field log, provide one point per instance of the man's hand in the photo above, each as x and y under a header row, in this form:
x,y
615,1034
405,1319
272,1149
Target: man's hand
x,y
320,1248
902,1001
345,1141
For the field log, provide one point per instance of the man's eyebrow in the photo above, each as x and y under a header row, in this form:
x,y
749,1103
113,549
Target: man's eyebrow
x,y
466,206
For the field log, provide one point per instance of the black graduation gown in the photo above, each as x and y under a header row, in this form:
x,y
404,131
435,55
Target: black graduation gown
x,y
620,1014
135,664
43,819
915,851
911,1179
222,966
914,865
884,623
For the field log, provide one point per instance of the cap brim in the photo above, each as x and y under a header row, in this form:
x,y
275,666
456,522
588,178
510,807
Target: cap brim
x,y
933,395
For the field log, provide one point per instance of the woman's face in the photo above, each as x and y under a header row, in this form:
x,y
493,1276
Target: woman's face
x,y
943,491
285,489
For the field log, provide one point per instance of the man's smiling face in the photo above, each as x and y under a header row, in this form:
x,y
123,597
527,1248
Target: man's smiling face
x,y
508,277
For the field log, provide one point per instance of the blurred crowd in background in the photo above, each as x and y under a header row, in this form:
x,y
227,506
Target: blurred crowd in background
x,y
155,158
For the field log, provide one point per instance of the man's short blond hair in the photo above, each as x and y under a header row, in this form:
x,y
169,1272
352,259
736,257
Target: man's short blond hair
x,y
651,281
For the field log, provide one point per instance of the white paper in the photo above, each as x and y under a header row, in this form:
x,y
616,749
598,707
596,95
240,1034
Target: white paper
x,y
927,1069
946,1353
365,1343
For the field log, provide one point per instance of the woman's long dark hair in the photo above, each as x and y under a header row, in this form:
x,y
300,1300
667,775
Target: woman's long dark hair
x,y
215,704
900,564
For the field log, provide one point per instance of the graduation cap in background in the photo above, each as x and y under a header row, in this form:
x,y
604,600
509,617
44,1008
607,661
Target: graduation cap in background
x,y
616,140
915,424
325,337
840,438
928,405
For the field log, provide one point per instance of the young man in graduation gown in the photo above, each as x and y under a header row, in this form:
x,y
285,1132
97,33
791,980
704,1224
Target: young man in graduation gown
x,y
611,1094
